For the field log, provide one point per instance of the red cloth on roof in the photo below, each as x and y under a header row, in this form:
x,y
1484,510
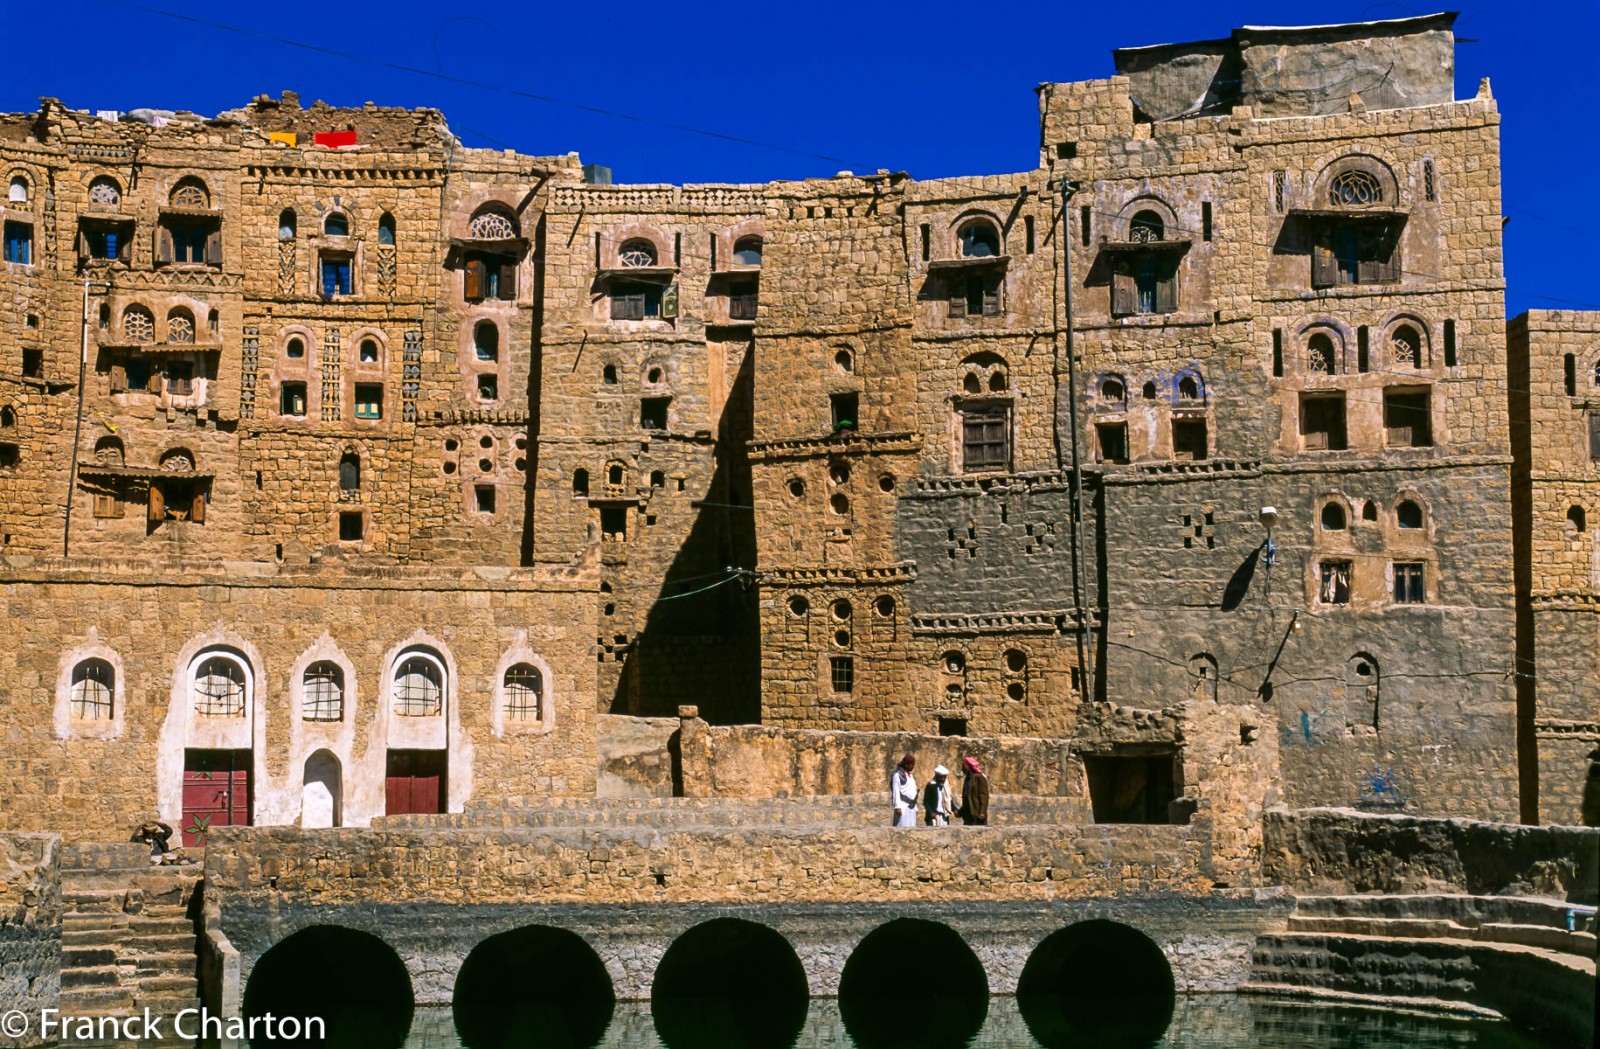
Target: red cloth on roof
x,y
334,138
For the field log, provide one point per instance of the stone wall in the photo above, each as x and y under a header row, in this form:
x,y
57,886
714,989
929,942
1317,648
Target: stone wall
x,y
1327,851
30,924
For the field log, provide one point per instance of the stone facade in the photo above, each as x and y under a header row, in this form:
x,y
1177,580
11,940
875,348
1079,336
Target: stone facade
x,y
971,457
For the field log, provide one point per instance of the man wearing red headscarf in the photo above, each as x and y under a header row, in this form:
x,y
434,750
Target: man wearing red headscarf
x,y
974,794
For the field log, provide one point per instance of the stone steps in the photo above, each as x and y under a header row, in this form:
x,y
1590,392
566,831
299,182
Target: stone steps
x,y
1543,923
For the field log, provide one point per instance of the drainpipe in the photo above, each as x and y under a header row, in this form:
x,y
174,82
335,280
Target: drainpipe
x,y
77,429
1081,592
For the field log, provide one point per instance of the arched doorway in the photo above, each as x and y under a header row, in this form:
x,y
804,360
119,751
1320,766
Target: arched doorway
x,y
729,984
321,796
1096,983
913,982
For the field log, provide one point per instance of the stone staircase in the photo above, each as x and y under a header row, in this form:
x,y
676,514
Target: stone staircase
x,y
128,934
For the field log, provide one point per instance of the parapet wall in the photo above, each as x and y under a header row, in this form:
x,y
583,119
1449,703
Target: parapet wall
x,y
30,924
1339,851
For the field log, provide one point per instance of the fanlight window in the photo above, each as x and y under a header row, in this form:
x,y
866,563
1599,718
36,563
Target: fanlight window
x,y
524,687
138,325
180,326
1406,345
286,224
219,689
1408,515
492,225
1320,355
418,688
323,694
1146,227
386,229
93,690
336,225
747,251
108,451
190,194
979,240
637,252
105,192
19,190
1355,189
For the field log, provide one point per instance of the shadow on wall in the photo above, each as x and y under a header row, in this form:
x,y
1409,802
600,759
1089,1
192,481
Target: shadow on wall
x,y
700,642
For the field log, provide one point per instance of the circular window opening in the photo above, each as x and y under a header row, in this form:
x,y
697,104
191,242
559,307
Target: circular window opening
x,y
610,609
844,361
839,504
295,350
841,638
522,442
797,487
954,662
522,464
841,610
486,441
451,445
1015,690
1364,668
449,467
886,483
799,606
885,606
839,473
1016,660
485,465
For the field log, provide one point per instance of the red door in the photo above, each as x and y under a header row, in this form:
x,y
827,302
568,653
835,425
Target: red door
x,y
216,792
415,782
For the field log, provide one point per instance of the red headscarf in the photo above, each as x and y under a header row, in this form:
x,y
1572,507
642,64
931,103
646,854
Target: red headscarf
x,y
971,765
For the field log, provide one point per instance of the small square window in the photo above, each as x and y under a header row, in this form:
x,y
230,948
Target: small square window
x,y
369,400
1322,423
483,498
842,673
1409,583
292,399
33,364
1113,440
1406,419
19,242
635,302
350,526
846,410
1335,583
10,455
743,297
614,522
1188,438
952,726
106,504
488,388
653,413
986,438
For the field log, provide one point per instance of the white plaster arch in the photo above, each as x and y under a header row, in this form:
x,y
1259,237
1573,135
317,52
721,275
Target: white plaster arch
x,y
178,730
520,652
307,737
435,732
322,790
66,726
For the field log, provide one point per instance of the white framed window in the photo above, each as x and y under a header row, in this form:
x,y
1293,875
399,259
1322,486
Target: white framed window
x,y
94,686
219,685
419,677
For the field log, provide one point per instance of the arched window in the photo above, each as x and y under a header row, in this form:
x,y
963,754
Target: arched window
x,y
190,193
138,325
350,472
524,688
580,482
418,685
1333,517
1578,519
1146,227
486,341
8,417
1203,669
368,352
1408,514
295,349
286,224
219,687
19,190
492,225
615,474
747,251
608,375
1190,388
1354,189
658,478
105,192
386,230
93,691
337,224
979,240
637,252
108,451
322,692
1597,373
1113,389
1406,346
1321,355
180,325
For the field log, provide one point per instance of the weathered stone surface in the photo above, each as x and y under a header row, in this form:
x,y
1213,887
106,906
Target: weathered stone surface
x,y
30,927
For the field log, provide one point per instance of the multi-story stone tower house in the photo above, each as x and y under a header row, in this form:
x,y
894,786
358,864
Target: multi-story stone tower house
x,y
356,470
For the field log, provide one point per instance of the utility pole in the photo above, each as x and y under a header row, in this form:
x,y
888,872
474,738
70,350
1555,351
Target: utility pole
x,y
1079,586
77,428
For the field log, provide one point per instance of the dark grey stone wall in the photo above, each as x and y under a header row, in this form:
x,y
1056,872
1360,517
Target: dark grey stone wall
x,y
30,926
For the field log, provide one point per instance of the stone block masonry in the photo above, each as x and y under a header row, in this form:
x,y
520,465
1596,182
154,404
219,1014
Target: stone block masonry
x,y
30,926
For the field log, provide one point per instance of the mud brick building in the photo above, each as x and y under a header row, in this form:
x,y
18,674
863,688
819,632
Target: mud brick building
x,y
362,470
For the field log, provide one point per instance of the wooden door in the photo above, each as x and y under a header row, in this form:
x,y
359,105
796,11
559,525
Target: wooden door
x,y
415,782
216,792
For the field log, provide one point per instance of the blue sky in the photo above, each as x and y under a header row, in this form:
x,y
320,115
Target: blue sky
x,y
941,87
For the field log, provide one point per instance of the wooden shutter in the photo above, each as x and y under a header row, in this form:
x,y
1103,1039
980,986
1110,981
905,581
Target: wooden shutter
x,y
119,377
991,296
197,508
508,280
956,288
1167,290
125,244
83,245
1124,294
158,504
1324,263
214,247
1594,436
163,244
1387,269
473,287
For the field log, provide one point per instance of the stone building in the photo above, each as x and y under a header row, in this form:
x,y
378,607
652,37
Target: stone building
x,y
365,469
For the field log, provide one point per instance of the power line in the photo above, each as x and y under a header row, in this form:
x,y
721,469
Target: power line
x,y
480,84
